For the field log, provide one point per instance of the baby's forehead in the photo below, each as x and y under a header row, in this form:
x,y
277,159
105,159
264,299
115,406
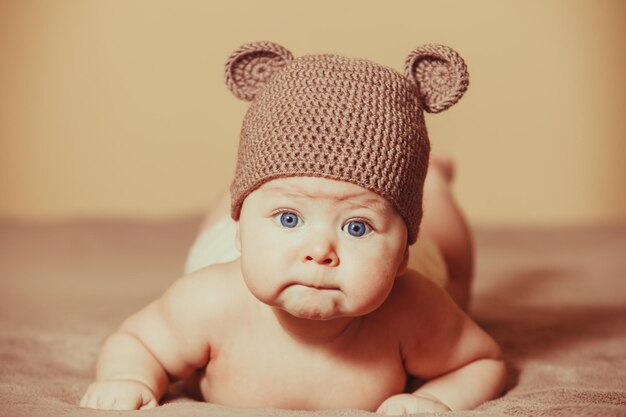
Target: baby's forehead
x,y
322,188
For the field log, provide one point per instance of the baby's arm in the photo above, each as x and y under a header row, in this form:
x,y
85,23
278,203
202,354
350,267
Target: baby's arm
x,y
479,377
156,343
462,364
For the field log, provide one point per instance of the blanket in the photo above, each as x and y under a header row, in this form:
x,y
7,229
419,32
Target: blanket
x,y
555,300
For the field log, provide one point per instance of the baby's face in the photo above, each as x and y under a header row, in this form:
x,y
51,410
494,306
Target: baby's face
x,y
319,248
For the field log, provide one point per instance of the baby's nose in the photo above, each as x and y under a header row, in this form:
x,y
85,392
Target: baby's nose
x,y
321,252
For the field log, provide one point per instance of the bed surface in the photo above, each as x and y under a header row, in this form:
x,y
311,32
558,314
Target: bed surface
x,y
554,299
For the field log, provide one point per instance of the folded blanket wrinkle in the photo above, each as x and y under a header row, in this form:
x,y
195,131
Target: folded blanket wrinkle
x,y
554,299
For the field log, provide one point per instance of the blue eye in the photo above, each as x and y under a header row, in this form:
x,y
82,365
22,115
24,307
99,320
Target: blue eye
x,y
289,219
356,228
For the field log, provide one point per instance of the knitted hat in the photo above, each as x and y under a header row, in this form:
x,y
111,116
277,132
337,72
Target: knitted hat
x,y
341,118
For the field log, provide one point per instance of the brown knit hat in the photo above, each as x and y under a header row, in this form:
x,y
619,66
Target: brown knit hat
x,y
341,118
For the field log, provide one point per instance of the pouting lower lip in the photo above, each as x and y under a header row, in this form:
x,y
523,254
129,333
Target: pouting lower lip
x,y
322,287
317,287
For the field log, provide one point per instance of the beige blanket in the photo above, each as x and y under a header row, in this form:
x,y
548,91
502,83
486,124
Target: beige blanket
x,y
555,300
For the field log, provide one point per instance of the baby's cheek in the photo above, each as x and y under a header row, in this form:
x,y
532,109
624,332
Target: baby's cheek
x,y
254,275
374,288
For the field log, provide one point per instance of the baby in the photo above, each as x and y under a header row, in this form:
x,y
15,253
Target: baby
x,y
312,299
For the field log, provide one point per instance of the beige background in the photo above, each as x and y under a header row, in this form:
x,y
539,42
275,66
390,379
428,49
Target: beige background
x,y
118,108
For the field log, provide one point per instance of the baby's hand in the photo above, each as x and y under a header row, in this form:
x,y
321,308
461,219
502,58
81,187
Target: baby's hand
x,y
411,403
119,394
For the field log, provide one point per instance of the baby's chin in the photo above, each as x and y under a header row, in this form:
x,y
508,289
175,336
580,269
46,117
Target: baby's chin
x,y
313,314
312,311
313,304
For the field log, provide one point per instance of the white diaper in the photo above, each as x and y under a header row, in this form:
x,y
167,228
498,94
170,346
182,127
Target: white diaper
x,y
216,244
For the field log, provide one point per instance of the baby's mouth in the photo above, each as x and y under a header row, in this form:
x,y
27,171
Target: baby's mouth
x,y
323,287
316,286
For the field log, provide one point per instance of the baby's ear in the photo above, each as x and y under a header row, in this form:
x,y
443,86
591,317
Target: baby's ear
x,y
440,73
251,66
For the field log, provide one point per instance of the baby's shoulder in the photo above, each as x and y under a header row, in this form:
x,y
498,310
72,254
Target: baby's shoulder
x,y
412,290
209,292
217,277
416,303
195,310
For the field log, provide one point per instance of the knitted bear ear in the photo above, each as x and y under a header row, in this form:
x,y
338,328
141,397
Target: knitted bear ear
x,y
251,66
440,73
